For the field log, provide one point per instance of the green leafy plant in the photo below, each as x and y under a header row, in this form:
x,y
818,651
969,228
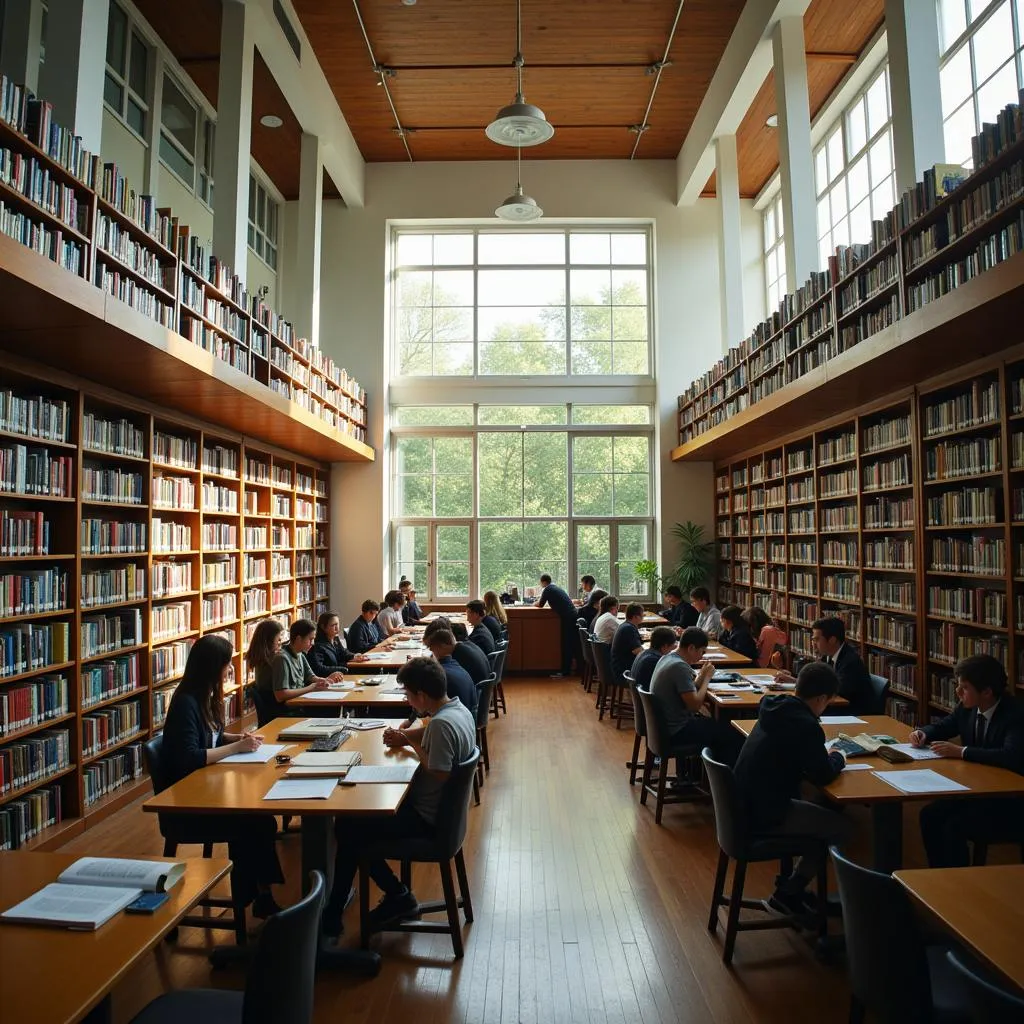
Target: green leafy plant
x,y
695,556
646,571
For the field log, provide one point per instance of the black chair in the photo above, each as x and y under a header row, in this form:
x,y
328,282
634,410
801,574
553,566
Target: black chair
x,y
738,843
589,669
687,789
442,849
278,981
988,1003
497,659
634,764
266,708
914,987
153,757
602,653
484,690
880,693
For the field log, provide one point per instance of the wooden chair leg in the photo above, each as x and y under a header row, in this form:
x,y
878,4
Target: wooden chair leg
x,y
980,853
171,848
659,802
406,873
821,917
207,850
364,906
460,872
476,788
452,906
484,754
634,761
602,697
716,896
494,701
735,905
617,706
645,776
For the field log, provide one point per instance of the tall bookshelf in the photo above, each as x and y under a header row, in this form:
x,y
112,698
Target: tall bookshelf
x,y
128,531
905,519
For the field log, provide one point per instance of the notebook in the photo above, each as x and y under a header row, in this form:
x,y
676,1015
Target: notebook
x,y
314,765
310,728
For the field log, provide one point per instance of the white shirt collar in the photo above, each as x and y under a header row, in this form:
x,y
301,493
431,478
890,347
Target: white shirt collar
x,y
987,715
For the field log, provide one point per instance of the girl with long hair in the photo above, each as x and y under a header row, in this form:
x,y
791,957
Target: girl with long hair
x,y
493,606
329,653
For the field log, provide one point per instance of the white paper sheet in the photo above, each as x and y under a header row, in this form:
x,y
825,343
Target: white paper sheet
x,y
327,695
842,720
715,656
920,780
720,687
301,789
761,678
857,766
363,724
917,753
401,771
260,756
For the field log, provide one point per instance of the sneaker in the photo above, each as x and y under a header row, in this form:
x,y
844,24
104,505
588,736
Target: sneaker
x,y
792,904
265,906
392,909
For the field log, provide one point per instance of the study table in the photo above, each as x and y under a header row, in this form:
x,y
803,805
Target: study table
x,y
377,699
60,976
385,657
982,908
240,789
886,802
730,704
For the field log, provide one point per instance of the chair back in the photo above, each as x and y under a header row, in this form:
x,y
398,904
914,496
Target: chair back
x,y
658,742
497,660
730,814
987,1002
280,978
153,758
581,623
484,691
892,988
453,810
266,710
880,692
603,662
587,648
639,718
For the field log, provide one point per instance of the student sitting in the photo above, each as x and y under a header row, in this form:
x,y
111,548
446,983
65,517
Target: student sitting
x,y
441,644
496,611
469,655
479,633
290,673
592,608
329,653
445,742
709,618
194,737
786,747
389,620
663,641
679,612
494,627
364,634
411,612
767,635
267,638
608,621
735,634
626,643
989,724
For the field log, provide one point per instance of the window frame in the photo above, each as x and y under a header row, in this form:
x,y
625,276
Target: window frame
x,y
774,254
168,136
122,79
258,234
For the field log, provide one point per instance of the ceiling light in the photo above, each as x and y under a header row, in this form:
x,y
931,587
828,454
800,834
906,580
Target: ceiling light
x,y
271,121
409,3
520,123
518,208
772,122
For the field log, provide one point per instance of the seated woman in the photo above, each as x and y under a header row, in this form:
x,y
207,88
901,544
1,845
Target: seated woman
x,y
264,645
767,635
194,737
329,653
495,619
290,673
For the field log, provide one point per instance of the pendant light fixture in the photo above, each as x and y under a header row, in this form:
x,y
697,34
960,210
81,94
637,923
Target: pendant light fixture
x,y
519,208
520,123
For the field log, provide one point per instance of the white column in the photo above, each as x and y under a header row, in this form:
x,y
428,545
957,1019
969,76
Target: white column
x,y
72,77
912,28
234,124
151,185
307,262
795,164
730,259
22,34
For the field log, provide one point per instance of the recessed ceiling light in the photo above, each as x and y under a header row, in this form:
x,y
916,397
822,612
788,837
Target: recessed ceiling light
x,y
772,122
409,3
271,121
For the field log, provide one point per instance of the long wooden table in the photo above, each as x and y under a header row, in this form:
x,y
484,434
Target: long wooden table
x,y
730,704
385,657
886,802
375,698
982,908
60,976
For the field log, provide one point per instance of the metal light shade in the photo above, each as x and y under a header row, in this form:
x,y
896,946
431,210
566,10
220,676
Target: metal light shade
x,y
519,208
520,124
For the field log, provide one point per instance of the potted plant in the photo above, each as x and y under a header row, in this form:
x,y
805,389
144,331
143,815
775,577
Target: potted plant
x,y
695,556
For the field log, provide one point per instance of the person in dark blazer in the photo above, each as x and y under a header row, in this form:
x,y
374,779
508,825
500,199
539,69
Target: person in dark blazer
x,y
194,737
988,724
411,611
364,634
460,683
479,633
329,653
555,598
468,654
736,634
678,611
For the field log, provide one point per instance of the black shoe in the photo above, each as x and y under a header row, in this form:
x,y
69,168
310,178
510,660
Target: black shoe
x,y
793,904
391,909
265,906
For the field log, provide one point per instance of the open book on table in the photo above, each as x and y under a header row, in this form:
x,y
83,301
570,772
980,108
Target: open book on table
x,y
311,764
310,728
94,889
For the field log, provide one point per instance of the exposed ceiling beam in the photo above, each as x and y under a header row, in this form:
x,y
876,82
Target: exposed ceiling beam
x,y
741,73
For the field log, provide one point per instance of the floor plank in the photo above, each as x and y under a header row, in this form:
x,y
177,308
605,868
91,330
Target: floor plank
x,y
586,911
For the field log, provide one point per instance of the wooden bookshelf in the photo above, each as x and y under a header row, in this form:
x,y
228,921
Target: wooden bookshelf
x,y
905,519
149,547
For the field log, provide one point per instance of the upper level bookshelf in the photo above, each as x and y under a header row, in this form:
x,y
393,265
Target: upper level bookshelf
x,y
885,310
91,266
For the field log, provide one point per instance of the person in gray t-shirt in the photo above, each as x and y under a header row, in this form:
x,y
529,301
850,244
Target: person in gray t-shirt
x,y
447,740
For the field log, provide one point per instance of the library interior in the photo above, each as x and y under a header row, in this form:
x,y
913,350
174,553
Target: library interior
x,y
601,424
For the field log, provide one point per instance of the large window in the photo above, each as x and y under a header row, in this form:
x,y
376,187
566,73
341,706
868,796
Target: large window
x,y
980,42
490,496
525,303
854,172
774,255
263,218
126,83
179,128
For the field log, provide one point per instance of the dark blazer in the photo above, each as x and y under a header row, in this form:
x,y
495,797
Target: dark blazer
x,y
411,613
460,683
683,615
187,737
588,612
740,641
473,660
326,656
1003,743
363,635
493,626
481,636
855,682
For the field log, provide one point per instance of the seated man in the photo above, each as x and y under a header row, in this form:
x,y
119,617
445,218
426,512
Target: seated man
x,y
591,608
411,612
736,633
627,643
989,724
663,641
785,748
709,618
468,655
479,633
441,644
679,612
447,740
389,620
364,633
608,621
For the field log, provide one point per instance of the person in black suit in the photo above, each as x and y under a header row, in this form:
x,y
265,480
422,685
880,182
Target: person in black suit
x,y
591,608
364,633
561,603
329,653
829,638
479,633
678,611
411,612
990,727
194,737
468,655
736,633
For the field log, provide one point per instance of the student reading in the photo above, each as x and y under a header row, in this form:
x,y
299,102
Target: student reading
x,y
364,633
290,674
329,653
480,632
194,737
735,633
446,741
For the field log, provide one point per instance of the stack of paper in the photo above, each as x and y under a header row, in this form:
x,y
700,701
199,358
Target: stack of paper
x,y
302,789
400,771
920,780
310,728
311,764
261,755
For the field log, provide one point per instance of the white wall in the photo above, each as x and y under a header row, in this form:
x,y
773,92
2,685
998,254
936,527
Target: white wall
x,y
122,147
353,294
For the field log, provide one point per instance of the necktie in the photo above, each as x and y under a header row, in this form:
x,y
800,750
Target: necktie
x,y
979,729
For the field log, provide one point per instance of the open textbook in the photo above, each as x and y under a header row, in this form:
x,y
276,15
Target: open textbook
x,y
94,889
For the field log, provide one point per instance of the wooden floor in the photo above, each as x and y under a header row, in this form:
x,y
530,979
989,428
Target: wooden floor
x,y
586,911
